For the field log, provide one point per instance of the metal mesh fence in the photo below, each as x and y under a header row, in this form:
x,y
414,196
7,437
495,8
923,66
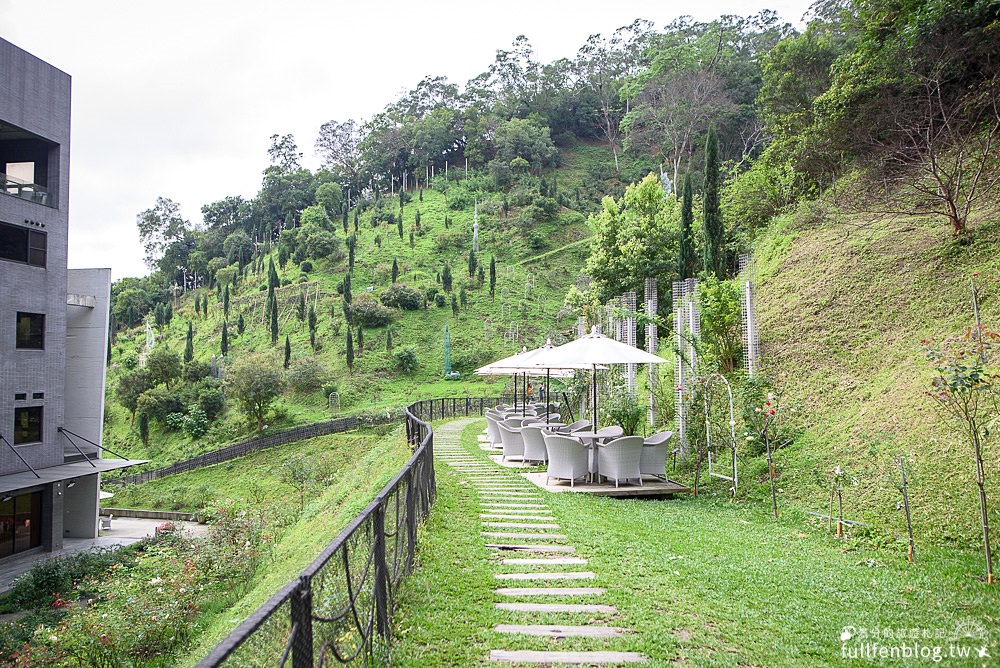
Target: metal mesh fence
x,y
339,610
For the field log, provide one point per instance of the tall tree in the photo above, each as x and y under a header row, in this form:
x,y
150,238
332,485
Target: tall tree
x,y
300,311
493,276
160,227
686,258
361,340
189,344
288,351
312,326
714,233
224,343
284,153
255,382
350,349
446,278
473,262
274,324
225,302
395,270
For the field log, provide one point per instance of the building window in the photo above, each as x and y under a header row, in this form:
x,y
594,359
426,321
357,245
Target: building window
x,y
20,244
27,425
31,331
20,523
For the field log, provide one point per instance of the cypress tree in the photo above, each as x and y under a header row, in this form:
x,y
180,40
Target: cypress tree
x,y
144,428
361,340
272,274
472,263
411,240
463,298
686,257
225,302
347,288
480,277
346,223
352,242
715,252
446,278
395,266
312,318
224,344
454,304
197,308
357,218
416,218
493,276
274,324
288,351
189,344
399,226
350,349
301,310
240,325
388,340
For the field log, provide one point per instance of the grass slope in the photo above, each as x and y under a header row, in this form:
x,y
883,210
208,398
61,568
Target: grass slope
x,y
843,306
701,582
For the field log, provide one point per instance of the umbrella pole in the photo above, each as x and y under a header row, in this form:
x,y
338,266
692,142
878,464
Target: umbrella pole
x,y
547,372
593,386
524,399
515,392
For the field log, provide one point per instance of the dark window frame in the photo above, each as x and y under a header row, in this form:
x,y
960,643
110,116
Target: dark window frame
x,y
34,338
19,244
33,432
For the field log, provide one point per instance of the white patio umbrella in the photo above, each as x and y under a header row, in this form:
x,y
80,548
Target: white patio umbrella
x,y
519,363
591,351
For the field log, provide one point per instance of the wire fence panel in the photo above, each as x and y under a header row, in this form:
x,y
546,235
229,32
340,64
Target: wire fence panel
x,y
340,609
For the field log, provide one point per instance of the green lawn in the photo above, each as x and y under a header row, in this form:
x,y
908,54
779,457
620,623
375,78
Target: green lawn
x,y
701,582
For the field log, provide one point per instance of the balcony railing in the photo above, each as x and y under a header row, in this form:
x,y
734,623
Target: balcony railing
x,y
29,191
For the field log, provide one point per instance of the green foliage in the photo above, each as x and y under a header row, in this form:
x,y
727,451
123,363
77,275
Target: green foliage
x,y
406,360
288,352
306,375
400,295
714,246
224,339
721,324
686,258
624,410
254,381
446,279
158,403
368,312
130,387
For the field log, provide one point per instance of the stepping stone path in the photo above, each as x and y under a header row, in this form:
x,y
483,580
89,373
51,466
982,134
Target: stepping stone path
x,y
517,521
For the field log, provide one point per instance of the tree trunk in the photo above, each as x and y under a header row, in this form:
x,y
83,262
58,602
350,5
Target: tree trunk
x,y
983,513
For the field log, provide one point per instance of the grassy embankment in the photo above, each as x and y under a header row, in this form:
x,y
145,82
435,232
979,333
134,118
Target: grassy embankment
x,y
701,582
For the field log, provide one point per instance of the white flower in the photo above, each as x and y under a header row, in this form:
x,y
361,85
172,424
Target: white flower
x,y
156,581
838,471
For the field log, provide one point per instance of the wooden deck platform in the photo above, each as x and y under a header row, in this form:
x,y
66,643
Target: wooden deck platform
x,y
651,487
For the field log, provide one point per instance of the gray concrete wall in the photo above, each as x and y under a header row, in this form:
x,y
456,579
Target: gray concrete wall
x,y
86,350
80,508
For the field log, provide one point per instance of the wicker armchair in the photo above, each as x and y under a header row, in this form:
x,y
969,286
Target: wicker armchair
x,y
534,443
568,458
619,459
513,443
654,455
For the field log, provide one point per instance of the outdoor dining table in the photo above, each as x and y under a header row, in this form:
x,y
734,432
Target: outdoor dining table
x,y
590,439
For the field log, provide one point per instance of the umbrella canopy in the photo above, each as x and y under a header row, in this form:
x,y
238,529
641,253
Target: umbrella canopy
x,y
593,350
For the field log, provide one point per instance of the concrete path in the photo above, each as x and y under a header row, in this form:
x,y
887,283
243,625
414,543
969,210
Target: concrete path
x,y
536,555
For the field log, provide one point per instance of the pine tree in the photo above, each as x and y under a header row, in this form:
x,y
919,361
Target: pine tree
x,y
288,351
346,222
272,274
472,263
301,310
312,326
399,226
225,302
224,344
350,349
357,219
446,278
352,242
240,324
361,341
347,288
189,344
686,257
197,306
395,266
715,251
480,276
274,324
493,276
144,428
454,304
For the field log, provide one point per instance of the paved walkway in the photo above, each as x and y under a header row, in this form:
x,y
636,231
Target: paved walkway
x,y
123,531
539,561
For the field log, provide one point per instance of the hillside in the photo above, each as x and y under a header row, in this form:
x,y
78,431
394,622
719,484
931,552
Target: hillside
x,y
526,307
844,304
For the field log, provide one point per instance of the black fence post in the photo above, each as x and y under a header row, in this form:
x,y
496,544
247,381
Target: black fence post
x,y
381,597
301,605
412,486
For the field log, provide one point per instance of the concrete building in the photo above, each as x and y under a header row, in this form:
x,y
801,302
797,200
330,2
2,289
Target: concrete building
x,y
53,324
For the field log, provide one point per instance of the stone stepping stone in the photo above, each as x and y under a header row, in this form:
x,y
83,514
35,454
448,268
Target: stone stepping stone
x,y
517,494
567,575
523,536
515,525
549,591
531,548
556,607
571,658
526,506
545,561
507,516
560,631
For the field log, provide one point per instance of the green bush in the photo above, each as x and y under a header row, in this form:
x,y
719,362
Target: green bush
x,y
402,296
406,360
306,375
439,300
369,313
195,423
158,403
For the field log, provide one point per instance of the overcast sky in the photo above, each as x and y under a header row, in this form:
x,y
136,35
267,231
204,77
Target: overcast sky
x,y
178,99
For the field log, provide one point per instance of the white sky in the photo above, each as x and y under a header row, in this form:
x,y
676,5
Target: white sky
x,y
179,99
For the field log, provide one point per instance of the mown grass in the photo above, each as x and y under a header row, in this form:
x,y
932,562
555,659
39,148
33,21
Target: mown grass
x,y
700,582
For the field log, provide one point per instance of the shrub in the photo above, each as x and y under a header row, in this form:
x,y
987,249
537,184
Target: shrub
x,y
195,423
175,421
369,313
439,300
195,371
306,375
306,266
406,360
402,296
158,403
